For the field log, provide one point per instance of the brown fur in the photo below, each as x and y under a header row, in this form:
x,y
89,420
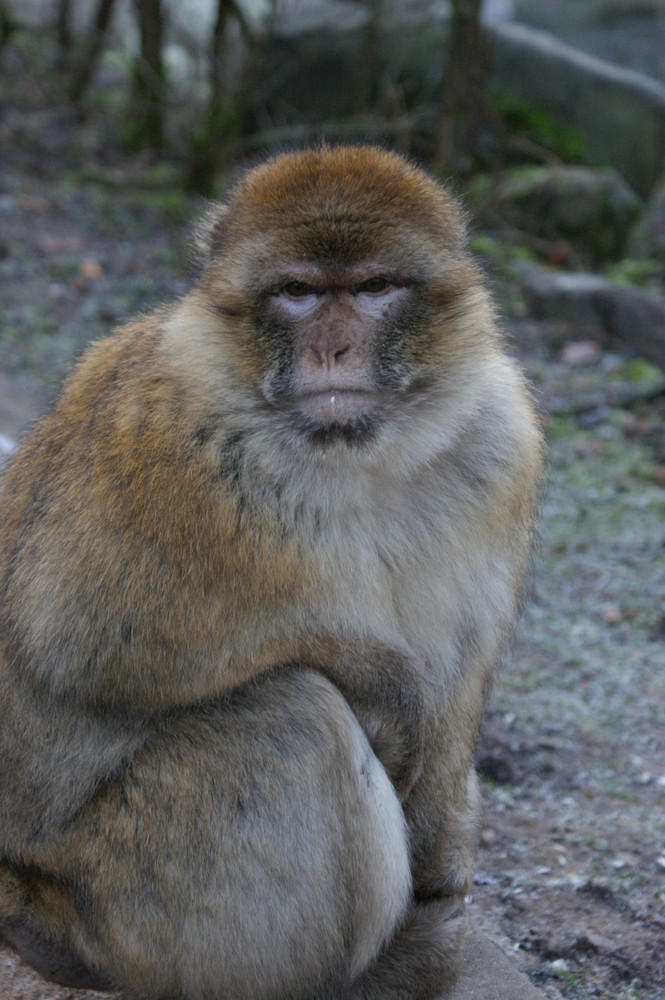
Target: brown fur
x,y
284,517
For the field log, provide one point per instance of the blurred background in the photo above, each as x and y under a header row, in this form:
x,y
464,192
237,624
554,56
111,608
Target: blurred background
x,y
120,119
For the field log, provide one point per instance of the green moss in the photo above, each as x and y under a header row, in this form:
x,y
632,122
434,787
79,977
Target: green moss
x,y
520,181
639,372
478,189
634,272
485,246
500,253
525,120
161,175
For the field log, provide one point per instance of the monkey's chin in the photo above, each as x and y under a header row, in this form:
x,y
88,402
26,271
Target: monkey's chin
x,y
356,433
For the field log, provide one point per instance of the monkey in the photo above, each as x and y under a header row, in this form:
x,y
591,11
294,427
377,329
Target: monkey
x,y
257,567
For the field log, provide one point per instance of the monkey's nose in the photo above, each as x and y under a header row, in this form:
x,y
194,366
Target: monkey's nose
x,y
328,356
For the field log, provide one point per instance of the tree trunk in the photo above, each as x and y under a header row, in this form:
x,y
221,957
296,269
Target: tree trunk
x,y
208,145
464,93
224,9
88,62
367,89
7,26
64,26
226,114
146,118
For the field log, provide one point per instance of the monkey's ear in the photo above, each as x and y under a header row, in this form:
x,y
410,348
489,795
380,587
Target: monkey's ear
x,y
210,233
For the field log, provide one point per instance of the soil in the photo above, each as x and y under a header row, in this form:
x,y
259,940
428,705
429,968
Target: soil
x,y
571,854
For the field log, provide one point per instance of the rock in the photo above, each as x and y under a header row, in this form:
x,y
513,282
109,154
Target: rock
x,y
21,402
496,766
618,111
487,974
624,31
627,318
648,236
7,446
317,63
593,208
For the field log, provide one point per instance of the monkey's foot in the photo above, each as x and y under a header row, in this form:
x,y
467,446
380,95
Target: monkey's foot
x,y
422,959
56,964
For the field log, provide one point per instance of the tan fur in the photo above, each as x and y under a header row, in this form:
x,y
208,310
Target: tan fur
x,y
245,642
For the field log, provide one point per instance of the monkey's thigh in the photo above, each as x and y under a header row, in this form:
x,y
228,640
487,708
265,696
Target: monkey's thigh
x,y
253,849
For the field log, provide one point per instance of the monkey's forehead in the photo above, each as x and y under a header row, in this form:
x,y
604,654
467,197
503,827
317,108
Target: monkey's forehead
x,y
348,189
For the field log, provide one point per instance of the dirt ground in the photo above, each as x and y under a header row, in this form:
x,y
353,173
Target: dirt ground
x,y
571,856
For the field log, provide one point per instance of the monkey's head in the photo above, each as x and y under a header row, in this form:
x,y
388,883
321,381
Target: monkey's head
x,y
344,289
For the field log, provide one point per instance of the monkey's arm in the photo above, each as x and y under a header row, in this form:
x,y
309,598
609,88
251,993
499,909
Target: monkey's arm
x,y
494,533
386,691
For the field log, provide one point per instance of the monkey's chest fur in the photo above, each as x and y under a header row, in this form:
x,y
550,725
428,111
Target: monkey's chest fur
x,y
139,565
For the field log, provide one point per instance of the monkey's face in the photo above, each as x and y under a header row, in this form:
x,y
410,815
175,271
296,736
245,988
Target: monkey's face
x,y
337,345
339,273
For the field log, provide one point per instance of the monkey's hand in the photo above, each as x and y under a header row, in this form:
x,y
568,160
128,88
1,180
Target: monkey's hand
x,y
399,748
386,691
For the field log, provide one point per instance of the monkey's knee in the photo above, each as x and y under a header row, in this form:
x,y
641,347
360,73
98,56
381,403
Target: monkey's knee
x,y
384,886
370,849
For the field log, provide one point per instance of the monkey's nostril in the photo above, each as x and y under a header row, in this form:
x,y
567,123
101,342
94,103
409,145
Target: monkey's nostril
x,y
342,351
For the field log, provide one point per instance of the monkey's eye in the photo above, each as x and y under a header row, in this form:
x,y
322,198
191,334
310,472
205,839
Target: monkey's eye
x,y
297,289
374,285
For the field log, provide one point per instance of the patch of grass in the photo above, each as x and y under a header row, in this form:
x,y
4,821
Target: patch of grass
x,y
561,428
636,991
172,206
65,267
571,979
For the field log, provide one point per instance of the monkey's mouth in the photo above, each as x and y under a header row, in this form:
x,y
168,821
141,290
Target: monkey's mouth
x,y
348,415
336,406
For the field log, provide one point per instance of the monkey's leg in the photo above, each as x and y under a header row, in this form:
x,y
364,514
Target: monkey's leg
x,y
442,811
442,814
443,808
254,849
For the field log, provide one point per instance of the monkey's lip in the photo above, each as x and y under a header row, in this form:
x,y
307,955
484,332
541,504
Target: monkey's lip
x,y
336,406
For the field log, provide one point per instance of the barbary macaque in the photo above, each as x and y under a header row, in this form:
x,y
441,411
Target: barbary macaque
x,y
256,568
